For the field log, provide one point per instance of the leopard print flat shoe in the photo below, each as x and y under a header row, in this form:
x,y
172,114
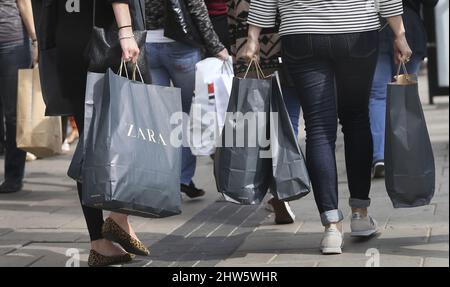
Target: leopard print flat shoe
x,y
113,232
98,260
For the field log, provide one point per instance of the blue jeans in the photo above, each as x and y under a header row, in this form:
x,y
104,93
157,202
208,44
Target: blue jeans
x,y
13,56
333,76
175,62
292,101
384,73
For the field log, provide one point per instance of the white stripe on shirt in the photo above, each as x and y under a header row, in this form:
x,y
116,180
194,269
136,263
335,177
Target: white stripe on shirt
x,y
323,16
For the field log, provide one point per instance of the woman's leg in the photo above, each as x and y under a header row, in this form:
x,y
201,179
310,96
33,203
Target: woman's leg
x,y
354,76
93,216
377,106
13,56
292,101
180,62
312,73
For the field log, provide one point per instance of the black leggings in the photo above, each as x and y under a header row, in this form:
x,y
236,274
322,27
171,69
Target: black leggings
x,y
93,216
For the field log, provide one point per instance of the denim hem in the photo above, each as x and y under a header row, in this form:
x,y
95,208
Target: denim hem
x,y
359,203
331,216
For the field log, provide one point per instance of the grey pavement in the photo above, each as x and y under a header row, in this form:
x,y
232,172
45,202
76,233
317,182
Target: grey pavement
x,y
43,224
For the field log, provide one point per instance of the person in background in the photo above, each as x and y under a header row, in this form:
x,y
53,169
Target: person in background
x,y
270,61
330,48
218,13
18,50
171,61
387,68
2,130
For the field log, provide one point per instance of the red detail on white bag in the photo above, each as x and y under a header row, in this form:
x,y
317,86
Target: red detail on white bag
x,y
211,88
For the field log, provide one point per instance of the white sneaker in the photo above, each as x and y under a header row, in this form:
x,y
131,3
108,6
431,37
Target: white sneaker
x,y
65,148
363,226
378,170
30,157
332,241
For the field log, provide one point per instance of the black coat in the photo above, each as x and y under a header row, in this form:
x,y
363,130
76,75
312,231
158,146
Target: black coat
x,y
63,38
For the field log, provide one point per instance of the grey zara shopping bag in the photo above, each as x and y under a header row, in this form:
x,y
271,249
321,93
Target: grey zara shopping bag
x,y
130,165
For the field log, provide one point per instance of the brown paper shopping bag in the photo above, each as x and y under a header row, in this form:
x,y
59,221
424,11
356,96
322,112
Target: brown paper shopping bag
x,y
36,133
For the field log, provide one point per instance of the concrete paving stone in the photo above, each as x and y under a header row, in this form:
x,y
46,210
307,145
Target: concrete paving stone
x,y
441,213
400,261
255,259
403,216
7,246
396,237
280,242
268,227
44,235
54,254
293,264
4,231
307,257
77,222
439,234
342,261
442,189
436,262
40,220
17,260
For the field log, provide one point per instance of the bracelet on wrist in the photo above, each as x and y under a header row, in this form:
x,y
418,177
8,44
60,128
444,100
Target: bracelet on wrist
x,y
126,37
125,26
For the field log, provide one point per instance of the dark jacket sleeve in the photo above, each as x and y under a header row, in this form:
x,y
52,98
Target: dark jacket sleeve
x,y
137,10
200,15
429,3
119,1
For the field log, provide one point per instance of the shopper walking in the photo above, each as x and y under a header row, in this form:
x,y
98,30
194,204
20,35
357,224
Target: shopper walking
x,y
18,50
172,61
218,12
270,60
72,29
330,50
387,68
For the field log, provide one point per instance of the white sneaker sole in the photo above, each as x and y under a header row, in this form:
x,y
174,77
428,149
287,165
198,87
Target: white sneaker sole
x,y
364,233
331,250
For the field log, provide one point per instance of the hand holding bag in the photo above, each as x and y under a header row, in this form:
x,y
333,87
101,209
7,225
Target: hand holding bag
x,y
104,50
409,159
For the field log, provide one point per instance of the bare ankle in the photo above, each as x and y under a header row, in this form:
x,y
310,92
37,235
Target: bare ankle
x,y
118,217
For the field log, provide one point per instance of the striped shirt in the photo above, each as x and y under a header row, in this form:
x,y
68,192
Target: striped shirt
x,y
323,16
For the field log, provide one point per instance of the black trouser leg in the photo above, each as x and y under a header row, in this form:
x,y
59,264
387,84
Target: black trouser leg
x,y
93,216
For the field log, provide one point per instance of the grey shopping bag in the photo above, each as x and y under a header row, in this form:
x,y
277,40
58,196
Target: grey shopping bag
x,y
409,160
243,171
94,85
130,165
290,175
